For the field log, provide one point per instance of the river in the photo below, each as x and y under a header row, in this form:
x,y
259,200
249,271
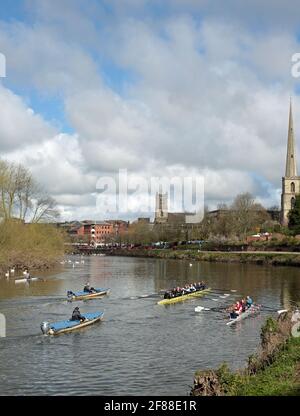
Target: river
x,y
140,348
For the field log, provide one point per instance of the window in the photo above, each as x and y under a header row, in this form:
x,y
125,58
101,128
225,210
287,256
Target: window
x,y
293,187
293,200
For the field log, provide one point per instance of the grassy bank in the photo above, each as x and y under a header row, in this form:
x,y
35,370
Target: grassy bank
x,y
33,246
282,378
273,371
270,258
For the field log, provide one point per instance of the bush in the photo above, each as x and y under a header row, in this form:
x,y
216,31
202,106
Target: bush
x,y
29,245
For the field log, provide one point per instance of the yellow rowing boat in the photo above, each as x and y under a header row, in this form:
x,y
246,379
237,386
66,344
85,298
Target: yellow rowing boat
x,y
199,293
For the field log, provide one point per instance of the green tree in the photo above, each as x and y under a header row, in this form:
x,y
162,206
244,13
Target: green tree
x,y
294,217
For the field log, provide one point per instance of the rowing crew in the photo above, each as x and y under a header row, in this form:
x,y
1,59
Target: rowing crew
x,y
239,307
180,291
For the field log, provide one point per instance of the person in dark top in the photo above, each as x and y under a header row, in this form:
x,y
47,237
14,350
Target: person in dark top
x,y
88,289
76,315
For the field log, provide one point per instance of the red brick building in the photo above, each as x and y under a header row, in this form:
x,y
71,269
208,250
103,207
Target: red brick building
x,y
96,232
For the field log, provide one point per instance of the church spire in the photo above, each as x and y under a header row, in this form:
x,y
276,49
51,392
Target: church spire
x,y
291,167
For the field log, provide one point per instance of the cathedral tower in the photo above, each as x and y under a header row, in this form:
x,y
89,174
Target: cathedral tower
x,y
161,208
290,182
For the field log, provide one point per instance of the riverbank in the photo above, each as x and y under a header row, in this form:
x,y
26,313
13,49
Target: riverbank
x,y
273,371
29,246
268,258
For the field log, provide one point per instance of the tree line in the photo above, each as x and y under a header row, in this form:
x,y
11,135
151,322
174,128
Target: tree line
x,y
27,237
235,221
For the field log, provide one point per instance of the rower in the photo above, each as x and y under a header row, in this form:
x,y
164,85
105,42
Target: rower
x,y
186,289
173,292
192,288
195,286
179,291
244,305
27,275
249,302
237,309
76,315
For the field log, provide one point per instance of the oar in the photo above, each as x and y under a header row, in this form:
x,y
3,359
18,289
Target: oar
x,y
222,290
272,309
203,309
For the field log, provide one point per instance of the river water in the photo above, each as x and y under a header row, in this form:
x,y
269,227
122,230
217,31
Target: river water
x,y
140,348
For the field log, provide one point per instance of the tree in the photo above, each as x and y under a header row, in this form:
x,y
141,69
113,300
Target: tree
x,y
139,233
294,216
21,197
247,215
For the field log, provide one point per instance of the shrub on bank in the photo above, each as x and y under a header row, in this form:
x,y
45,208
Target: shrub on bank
x,y
272,371
29,245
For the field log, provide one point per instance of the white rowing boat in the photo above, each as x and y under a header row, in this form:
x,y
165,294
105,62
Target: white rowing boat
x,y
27,280
250,311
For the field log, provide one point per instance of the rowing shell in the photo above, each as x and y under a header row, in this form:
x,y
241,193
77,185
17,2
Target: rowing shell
x,y
61,327
31,279
199,293
85,295
253,309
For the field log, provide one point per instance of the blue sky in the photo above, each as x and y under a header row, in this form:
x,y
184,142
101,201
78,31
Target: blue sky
x,y
150,86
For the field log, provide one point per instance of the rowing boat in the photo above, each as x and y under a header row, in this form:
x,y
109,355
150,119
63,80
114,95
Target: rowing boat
x,y
250,311
28,280
86,295
198,293
61,327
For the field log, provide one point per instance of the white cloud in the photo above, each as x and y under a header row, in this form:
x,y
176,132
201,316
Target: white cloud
x,y
209,95
58,165
19,125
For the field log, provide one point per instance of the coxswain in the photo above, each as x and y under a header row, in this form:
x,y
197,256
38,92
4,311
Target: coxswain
x,y
249,302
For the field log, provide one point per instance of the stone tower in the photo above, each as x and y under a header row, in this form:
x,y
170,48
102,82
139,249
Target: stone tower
x,y
290,182
161,208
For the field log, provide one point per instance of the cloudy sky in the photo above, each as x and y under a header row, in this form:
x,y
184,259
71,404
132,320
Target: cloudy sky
x,y
157,87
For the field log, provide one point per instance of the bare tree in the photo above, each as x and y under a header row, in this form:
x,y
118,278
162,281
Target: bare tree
x,y
247,214
44,209
21,197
